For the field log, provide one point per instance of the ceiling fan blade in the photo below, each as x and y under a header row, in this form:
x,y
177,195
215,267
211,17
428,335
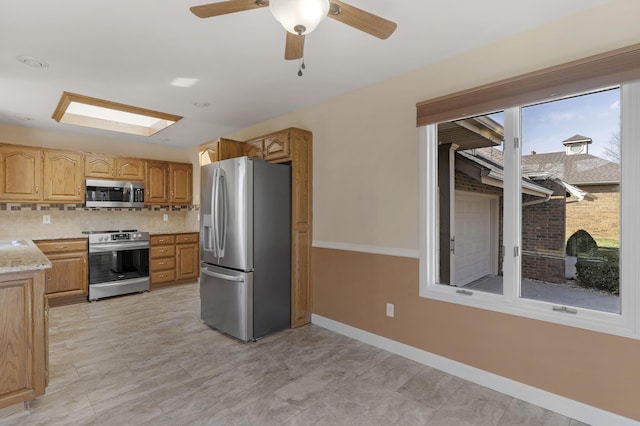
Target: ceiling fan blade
x,y
224,7
361,20
294,49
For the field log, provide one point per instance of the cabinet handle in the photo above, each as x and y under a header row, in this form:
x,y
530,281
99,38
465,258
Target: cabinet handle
x,y
61,247
161,263
78,190
36,189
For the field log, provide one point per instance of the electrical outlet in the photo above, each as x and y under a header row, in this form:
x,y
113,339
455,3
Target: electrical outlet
x,y
390,310
165,217
46,218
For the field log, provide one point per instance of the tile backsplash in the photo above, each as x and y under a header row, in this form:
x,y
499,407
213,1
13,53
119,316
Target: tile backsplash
x,y
25,221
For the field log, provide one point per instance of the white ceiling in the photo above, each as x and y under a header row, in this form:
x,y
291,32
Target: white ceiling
x,y
128,51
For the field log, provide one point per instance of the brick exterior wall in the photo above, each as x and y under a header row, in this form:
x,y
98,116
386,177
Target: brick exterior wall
x,y
543,236
601,217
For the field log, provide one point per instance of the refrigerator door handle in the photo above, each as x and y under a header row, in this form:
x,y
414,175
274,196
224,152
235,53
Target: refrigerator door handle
x,y
225,277
223,236
214,212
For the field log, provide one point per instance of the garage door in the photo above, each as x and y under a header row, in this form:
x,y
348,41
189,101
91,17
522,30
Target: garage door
x,y
472,258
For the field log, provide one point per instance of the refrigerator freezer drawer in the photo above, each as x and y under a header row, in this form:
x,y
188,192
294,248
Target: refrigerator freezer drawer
x,y
226,301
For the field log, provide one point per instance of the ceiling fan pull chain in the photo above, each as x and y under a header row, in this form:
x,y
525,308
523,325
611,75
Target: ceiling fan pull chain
x,y
300,66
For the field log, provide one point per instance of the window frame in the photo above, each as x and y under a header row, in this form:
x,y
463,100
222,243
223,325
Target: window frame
x,y
627,323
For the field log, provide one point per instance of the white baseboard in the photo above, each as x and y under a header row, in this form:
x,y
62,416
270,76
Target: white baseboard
x,y
559,404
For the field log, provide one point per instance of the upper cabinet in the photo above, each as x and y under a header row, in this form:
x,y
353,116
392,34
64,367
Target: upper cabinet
x,y
181,181
63,177
277,147
20,173
33,175
168,183
110,167
156,183
221,149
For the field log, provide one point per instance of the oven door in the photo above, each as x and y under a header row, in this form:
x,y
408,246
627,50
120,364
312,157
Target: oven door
x,y
113,262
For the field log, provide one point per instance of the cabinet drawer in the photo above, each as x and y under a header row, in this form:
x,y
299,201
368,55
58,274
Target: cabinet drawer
x,y
61,246
162,239
186,238
163,276
163,263
163,251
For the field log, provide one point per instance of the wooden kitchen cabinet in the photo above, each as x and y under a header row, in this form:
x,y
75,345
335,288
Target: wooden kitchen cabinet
x,y
20,173
221,149
33,175
162,255
156,183
63,177
181,181
23,341
174,259
168,183
187,257
110,167
277,147
67,280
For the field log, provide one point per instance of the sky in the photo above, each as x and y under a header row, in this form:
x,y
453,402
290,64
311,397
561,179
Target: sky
x,y
595,115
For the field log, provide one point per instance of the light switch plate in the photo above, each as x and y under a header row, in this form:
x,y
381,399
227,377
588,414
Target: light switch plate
x,y
165,217
46,219
390,310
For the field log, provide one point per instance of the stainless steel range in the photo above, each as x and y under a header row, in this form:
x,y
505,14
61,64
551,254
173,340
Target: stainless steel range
x,y
118,262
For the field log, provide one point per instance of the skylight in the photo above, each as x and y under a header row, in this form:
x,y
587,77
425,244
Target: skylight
x,y
106,115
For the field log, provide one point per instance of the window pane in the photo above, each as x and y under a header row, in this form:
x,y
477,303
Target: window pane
x,y
470,185
571,201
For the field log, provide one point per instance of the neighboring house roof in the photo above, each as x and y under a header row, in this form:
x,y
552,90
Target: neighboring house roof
x,y
492,173
575,169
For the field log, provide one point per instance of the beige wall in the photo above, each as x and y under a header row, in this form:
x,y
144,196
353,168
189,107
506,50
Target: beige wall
x,y
365,187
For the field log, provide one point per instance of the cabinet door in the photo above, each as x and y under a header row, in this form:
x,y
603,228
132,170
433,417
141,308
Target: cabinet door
x,y
181,183
67,276
130,169
187,261
254,149
20,173
230,149
63,177
157,182
23,338
99,166
209,153
277,147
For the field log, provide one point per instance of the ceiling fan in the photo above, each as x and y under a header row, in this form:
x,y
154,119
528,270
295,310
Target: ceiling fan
x,y
300,17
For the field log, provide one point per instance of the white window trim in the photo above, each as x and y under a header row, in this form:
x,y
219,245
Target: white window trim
x,y
626,324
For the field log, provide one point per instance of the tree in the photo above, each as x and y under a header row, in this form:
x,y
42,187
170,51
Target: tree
x,y
611,151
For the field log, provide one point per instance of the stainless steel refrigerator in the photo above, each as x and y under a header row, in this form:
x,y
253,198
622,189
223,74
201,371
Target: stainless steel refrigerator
x,y
245,247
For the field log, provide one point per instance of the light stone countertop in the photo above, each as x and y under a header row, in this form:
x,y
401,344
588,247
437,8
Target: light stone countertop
x,y
20,256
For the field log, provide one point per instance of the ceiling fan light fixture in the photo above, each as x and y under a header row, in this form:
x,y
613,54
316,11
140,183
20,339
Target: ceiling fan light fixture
x,y
299,16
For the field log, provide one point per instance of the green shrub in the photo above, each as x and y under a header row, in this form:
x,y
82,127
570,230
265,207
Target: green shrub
x,y
581,243
600,273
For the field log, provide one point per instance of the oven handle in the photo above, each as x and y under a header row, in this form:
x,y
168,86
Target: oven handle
x,y
101,248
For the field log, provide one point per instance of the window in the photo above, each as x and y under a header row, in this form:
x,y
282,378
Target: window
x,y
528,218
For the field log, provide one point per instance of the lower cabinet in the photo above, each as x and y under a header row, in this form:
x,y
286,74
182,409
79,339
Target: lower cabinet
x,y
174,258
67,280
23,337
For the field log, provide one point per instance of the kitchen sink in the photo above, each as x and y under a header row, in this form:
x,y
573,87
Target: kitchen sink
x,y
12,243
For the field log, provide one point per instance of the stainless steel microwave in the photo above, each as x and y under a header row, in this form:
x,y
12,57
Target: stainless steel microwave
x,y
113,193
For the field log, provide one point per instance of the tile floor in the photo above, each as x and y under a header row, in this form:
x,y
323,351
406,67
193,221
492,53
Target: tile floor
x,y
146,359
